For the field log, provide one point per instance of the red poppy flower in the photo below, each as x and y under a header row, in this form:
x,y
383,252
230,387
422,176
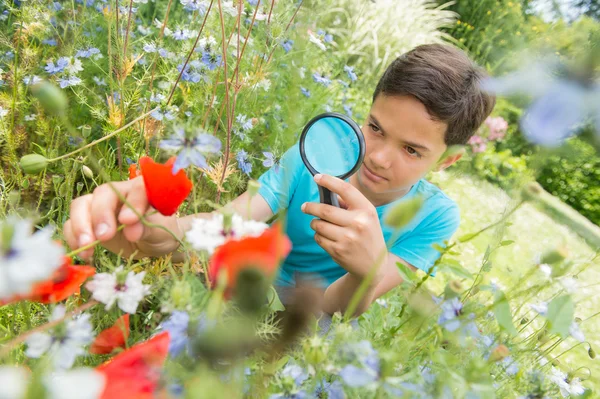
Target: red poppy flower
x,y
135,372
133,171
112,338
165,191
65,281
264,252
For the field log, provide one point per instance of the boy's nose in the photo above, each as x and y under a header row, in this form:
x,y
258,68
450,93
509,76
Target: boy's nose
x,y
381,159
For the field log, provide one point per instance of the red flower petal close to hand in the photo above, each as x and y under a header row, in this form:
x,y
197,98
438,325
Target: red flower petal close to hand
x,y
133,171
135,372
264,252
112,338
165,191
66,281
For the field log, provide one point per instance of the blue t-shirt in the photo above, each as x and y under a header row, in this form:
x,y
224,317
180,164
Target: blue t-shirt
x,y
290,184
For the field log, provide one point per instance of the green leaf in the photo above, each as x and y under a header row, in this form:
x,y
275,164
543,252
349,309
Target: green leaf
x,y
406,274
274,302
466,237
560,315
503,313
506,243
454,267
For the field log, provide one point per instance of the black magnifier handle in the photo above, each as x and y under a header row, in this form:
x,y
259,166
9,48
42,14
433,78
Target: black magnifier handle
x,y
327,197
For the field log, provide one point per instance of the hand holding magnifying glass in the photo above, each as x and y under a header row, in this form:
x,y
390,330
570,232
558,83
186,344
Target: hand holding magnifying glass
x,y
332,144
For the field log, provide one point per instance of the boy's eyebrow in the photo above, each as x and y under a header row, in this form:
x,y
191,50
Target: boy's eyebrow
x,y
409,143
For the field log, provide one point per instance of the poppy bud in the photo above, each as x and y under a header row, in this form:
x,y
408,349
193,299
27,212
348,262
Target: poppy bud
x,y
51,97
253,187
251,290
87,172
86,130
33,163
499,353
554,256
181,294
403,212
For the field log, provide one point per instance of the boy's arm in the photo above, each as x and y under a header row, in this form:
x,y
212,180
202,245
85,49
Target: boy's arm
x,y
338,295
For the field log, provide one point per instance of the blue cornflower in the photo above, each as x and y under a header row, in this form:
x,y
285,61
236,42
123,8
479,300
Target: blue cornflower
x,y
333,390
60,66
57,6
304,91
50,42
253,3
270,161
160,114
287,45
191,151
189,74
510,366
31,80
87,53
212,61
150,48
68,81
157,98
244,121
450,311
295,372
356,376
560,106
177,326
195,5
327,38
164,53
350,71
321,79
181,34
243,163
99,81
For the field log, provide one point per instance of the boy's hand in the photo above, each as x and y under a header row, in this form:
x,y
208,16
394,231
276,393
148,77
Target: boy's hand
x,y
96,216
352,236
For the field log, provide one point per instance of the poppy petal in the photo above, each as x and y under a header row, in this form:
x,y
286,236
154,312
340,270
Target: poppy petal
x,y
132,373
112,338
165,191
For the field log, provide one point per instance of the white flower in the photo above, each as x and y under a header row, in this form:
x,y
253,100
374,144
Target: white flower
x,y
575,331
208,234
30,117
569,284
229,8
265,84
566,389
26,258
64,343
82,383
541,308
546,269
13,381
314,39
205,42
105,288
3,112
74,66
31,80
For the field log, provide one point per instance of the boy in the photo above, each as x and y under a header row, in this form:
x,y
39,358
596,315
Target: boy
x,y
428,100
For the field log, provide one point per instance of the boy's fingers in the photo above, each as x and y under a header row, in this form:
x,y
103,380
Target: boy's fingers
x,y
137,202
69,236
328,230
347,192
104,206
81,221
330,213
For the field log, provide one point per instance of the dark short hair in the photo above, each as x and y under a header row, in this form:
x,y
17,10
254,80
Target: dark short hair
x,y
447,82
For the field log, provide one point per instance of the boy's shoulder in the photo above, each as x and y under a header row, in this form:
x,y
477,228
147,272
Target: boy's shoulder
x,y
433,193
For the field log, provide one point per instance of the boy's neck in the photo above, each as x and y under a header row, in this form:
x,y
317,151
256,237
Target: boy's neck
x,y
377,199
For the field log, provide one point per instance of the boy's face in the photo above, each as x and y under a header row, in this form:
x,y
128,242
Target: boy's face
x,y
403,143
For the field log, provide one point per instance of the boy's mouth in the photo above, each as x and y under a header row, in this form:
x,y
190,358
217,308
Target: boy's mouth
x,y
371,175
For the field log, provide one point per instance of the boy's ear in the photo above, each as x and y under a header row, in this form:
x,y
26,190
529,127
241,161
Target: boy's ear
x,y
449,157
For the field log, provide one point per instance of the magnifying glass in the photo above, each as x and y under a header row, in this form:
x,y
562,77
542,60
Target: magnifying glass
x,y
332,144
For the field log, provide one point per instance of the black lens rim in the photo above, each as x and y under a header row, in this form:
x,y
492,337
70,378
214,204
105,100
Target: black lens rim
x,y
357,131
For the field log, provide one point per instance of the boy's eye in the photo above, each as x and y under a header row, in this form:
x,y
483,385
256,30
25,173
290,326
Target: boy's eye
x,y
412,152
373,127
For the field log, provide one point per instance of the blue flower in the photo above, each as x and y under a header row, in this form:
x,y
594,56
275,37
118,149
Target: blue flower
x,y
57,6
333,390
87,53
99,81
287,45
195,5
253,3
296,395
270,160
192,73
68,81
177,326
182,34
191,151
31,80
50,42
357,377
212,61
60,66
74,141
348,110
160,114
351,74
295,372
450,311
244,121
321,79
327,38
510,366
243,164
304,91
150,48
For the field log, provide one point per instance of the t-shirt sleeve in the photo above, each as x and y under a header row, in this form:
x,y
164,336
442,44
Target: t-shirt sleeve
x,y
417,248
278,184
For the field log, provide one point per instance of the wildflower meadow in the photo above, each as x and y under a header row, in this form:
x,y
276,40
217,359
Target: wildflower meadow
x,y
191,101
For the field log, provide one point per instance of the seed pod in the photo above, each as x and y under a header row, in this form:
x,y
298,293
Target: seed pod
x,y
51,97
33,163
453,289
592,353
253,187
87,172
